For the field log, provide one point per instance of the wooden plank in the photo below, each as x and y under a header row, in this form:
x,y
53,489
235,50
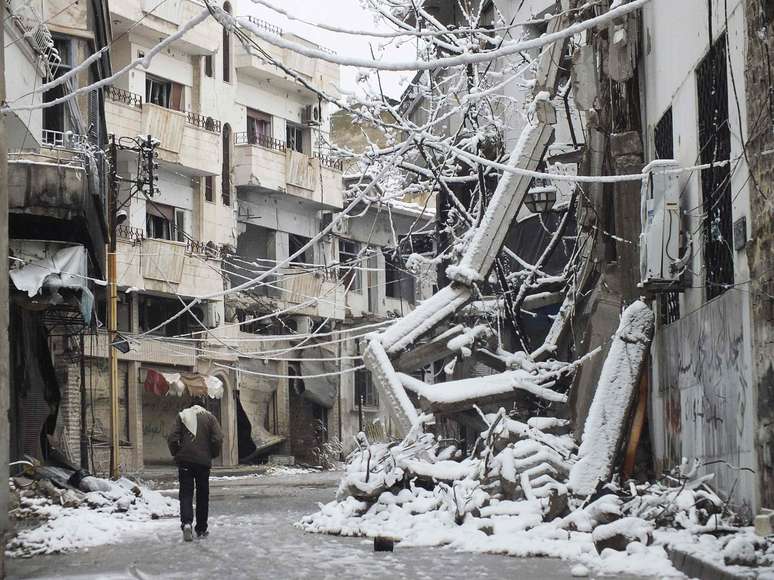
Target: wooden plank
x,y
638,424
427,353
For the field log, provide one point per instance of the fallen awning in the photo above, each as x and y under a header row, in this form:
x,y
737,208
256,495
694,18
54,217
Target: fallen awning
x,y
66,267
320,374
197,385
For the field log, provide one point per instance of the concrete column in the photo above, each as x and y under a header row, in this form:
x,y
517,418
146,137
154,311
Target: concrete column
x,y
4,363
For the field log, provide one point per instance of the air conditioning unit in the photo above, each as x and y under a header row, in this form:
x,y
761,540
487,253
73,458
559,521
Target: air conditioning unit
x,y
661,225
311,115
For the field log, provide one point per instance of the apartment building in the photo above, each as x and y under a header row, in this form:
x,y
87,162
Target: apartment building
x,y
245,179
57,219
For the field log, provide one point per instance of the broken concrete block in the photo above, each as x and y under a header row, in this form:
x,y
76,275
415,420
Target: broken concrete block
x,y
619,534
764,523
740,552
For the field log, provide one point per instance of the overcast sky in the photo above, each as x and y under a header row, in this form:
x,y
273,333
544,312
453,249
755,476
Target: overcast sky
x,y
343,14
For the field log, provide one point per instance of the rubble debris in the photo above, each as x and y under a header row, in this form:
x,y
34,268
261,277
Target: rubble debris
x,y
605,426
98,511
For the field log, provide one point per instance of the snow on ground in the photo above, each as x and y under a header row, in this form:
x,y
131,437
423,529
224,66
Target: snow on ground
x,y
103,517
419,518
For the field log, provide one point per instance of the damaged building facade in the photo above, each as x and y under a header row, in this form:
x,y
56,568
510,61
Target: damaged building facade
x,y
634,101
57,217
218,164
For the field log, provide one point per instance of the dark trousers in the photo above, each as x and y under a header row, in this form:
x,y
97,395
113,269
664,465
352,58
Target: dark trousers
x,y
188,474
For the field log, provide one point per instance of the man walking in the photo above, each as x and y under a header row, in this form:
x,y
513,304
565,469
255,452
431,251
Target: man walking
x,y
196,439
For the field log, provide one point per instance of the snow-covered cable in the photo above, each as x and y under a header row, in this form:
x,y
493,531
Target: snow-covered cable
x,y
463,59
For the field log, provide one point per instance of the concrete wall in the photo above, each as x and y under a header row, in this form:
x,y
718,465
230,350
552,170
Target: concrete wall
x,y
702,399
760,248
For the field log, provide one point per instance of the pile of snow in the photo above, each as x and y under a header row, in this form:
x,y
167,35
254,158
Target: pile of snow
x,y
107,515
506,498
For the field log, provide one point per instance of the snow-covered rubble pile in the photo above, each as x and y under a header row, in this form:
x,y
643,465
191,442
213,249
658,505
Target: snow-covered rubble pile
x,y
510,497
74,519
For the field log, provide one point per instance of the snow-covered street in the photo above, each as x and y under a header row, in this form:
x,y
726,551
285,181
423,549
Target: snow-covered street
x,y
253,536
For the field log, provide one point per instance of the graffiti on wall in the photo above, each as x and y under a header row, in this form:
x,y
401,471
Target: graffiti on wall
x,y
704,395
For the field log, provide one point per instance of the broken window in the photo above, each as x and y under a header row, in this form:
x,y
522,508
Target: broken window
x,y
365,390
295,137
295,243
154,310
399,282
208,68
164,93
56,118
349,269
226,48
159,220
258,127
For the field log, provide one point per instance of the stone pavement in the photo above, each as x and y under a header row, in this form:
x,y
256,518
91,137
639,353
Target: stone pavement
x,y
252,536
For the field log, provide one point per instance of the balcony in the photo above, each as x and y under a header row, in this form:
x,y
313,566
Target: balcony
x,y
318,73
154,19
160,352
188,140
299,286
168,266
266,165
50,196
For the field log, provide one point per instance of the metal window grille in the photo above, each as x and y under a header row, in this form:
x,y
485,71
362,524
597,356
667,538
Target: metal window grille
x,y
663,138
715,142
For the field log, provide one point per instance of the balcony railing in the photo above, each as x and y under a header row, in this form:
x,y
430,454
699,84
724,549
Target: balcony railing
x,y
66,139
329,161
246,138
192,246
123,96
203,122
134,235
267,26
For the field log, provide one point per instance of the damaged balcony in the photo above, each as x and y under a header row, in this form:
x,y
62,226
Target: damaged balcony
x,y
51,194
318,73
187,139
169,266
266,165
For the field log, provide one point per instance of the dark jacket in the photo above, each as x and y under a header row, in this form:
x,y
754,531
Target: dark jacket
x,y
186,448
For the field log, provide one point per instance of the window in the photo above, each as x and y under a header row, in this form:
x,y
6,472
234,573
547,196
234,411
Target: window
x,y
226,48
208,68
365,390
154,310
179,233
295,243
209,188
715,143
295,137
399,282
159,220
258,125
163,93
225,176
349,272
55,118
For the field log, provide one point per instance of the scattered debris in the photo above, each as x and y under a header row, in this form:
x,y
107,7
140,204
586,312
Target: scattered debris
x,y
96,512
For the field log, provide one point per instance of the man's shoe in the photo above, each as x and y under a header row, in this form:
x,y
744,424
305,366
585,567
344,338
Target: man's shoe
x,y
187,533
203,534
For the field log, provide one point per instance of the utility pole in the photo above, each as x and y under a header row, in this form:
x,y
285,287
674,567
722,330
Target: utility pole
x,y
113,310
4,356
144,184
